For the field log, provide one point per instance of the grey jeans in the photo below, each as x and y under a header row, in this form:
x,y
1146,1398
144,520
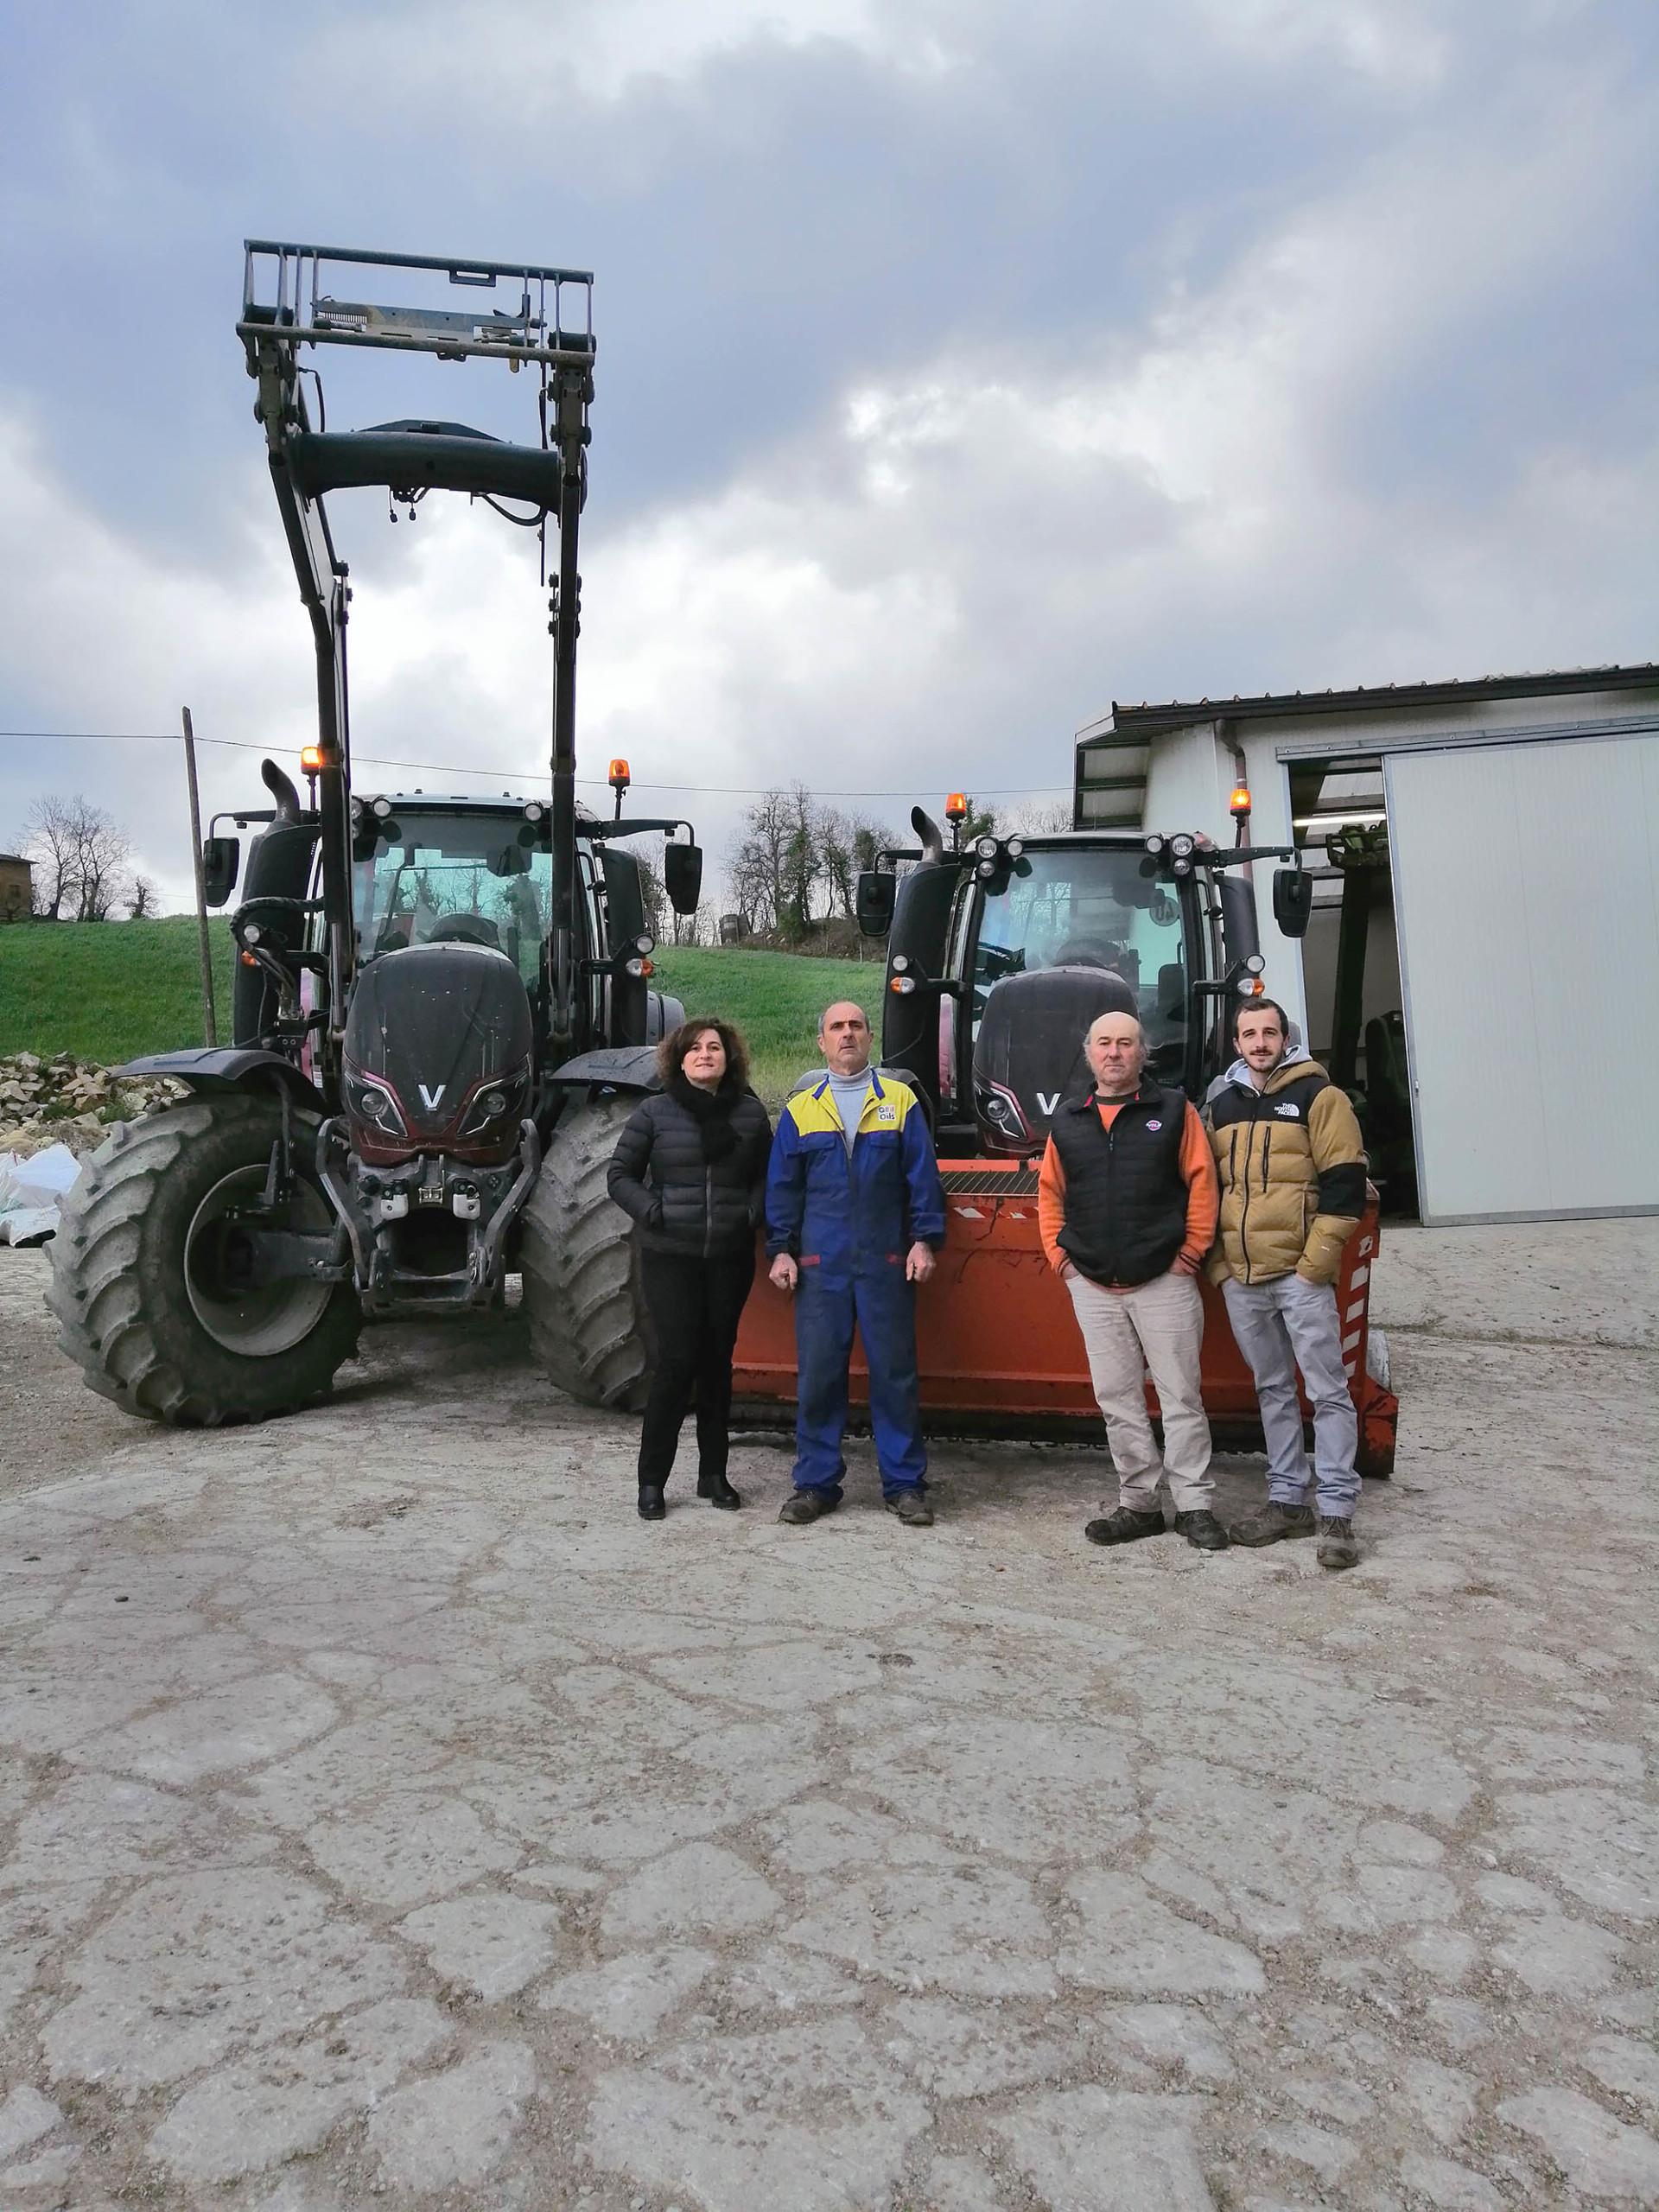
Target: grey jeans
x,y
1279,1326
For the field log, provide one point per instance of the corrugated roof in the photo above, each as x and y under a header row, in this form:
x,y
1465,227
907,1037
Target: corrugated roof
x,y
1171,713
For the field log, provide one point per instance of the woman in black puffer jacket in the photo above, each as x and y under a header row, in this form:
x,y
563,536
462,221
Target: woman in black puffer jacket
x,y
690,1168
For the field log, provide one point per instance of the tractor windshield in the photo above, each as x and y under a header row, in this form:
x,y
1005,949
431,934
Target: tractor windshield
x,y
1087,906
462,877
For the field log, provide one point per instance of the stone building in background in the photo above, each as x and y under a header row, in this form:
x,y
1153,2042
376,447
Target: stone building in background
x,y
16,887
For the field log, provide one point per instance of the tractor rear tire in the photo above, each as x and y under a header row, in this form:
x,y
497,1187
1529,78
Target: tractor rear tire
x,y
137,1302
581,1277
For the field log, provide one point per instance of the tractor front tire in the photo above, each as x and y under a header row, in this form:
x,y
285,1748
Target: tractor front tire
x,y
582,1286
140,1300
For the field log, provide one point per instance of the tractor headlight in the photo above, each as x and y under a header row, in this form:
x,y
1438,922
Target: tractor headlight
x,y
986,848
1001,1112
373,1102
493,1102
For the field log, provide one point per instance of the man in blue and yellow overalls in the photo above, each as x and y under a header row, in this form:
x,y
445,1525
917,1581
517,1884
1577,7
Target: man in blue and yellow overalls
x,y
854,1213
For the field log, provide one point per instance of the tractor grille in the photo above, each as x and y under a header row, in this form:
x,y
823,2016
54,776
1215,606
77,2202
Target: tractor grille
x,y
989,1182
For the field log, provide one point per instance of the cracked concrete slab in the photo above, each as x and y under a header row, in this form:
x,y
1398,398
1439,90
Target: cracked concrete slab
x,y
386,1814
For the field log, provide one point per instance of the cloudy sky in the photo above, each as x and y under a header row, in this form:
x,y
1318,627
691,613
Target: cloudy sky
x,y
964,365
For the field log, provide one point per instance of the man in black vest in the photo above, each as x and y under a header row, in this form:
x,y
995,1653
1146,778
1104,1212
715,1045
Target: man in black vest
x,y
1127,1202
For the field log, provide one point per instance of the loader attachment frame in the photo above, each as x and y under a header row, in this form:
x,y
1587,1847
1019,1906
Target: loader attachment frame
x,y
287,311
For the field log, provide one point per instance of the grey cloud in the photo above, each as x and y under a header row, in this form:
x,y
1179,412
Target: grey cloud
x,y
1177,397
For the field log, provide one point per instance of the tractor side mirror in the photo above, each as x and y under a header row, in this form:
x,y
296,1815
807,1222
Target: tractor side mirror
x,y
221,858
1292,900
877,889
682,876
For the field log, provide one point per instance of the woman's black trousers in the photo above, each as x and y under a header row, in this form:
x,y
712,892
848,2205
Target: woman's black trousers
x,y
693,1305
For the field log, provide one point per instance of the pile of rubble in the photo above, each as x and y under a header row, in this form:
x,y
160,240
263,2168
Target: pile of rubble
x,y
71,1101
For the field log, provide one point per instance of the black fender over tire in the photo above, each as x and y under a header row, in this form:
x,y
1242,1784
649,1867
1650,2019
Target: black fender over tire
x,y
581,1289
124,1309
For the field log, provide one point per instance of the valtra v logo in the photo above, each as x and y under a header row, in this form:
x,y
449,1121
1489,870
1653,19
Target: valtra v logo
x,y
432,1099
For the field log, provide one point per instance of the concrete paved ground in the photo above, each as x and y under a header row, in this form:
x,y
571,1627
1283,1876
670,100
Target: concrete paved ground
x,y
386,1813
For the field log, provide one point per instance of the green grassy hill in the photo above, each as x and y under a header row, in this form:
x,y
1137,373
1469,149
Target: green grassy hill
x,y
108,991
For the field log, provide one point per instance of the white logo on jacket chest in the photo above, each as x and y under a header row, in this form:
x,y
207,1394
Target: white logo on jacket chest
x,y
1290,1113
885,1116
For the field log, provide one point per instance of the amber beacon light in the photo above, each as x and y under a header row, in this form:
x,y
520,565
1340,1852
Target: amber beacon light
x,y
1239,805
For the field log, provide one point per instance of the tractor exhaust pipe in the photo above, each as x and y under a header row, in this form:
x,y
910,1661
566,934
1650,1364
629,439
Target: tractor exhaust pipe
x,y
281,788
928,830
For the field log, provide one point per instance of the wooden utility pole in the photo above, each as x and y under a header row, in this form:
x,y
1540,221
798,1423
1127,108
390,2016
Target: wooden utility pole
x,y
209,1025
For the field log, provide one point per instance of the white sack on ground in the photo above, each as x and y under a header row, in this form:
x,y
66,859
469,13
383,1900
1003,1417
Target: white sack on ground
x,y
30,1190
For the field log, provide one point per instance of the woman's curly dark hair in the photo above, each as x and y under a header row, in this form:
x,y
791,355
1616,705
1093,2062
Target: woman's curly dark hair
x,y
671,1053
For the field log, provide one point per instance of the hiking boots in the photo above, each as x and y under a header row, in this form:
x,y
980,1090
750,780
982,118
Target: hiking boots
x,y
1125,1525
807,1505
1201,1531
719,1491
912,1507
1273,1524
1336,1545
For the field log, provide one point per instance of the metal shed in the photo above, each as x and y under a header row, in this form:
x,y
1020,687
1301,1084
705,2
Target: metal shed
x,y
1482,965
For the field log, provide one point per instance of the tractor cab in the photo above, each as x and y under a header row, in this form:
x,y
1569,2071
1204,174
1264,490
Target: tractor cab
x,y
1003,950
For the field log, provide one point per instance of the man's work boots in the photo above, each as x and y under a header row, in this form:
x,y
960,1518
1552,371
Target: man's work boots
x,y
1123,1525
806,1505
1273,1524
1201,1531
912,1507
1336,1545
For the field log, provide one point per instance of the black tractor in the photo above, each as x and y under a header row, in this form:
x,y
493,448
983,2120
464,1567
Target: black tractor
x,y
442,1005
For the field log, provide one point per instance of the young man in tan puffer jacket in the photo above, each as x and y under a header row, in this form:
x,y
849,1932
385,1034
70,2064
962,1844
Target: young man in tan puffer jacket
x,y
1293,1184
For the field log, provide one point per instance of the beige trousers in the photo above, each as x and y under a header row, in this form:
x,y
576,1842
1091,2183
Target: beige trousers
x,y
1157,1325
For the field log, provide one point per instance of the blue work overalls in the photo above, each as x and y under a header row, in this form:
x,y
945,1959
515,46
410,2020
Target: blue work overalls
x,y
850,1220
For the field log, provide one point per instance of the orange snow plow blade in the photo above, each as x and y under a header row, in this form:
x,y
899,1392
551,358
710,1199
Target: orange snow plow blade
x,y
998,1345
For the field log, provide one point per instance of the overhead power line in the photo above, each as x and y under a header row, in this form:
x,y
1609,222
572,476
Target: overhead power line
x,y
451,768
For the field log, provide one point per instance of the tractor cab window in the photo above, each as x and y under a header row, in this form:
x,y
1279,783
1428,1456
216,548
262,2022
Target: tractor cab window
x,y
1060,906
432,877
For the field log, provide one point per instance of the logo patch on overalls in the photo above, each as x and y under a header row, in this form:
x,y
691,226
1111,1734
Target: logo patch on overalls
x,y
887,1115
1154,1125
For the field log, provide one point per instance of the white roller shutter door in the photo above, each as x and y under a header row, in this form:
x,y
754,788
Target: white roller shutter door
x,y
1527,895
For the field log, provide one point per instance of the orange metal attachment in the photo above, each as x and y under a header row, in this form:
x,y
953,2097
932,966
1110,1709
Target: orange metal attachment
x,y
997,1341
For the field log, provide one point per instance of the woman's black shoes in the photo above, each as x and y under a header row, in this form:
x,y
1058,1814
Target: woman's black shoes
x,y
714,1488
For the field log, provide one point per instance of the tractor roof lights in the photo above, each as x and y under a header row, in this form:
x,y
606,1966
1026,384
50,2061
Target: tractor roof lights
x,y
986,847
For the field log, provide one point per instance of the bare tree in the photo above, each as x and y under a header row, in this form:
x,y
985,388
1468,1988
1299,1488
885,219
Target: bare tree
x,y
51,846
144,901
759,864
80,858
1046,819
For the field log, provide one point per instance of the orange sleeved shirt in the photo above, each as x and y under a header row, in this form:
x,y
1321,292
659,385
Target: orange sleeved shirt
x,y
1197,1172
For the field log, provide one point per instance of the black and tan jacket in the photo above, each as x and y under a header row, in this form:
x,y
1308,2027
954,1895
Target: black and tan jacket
x,y
1292,1169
